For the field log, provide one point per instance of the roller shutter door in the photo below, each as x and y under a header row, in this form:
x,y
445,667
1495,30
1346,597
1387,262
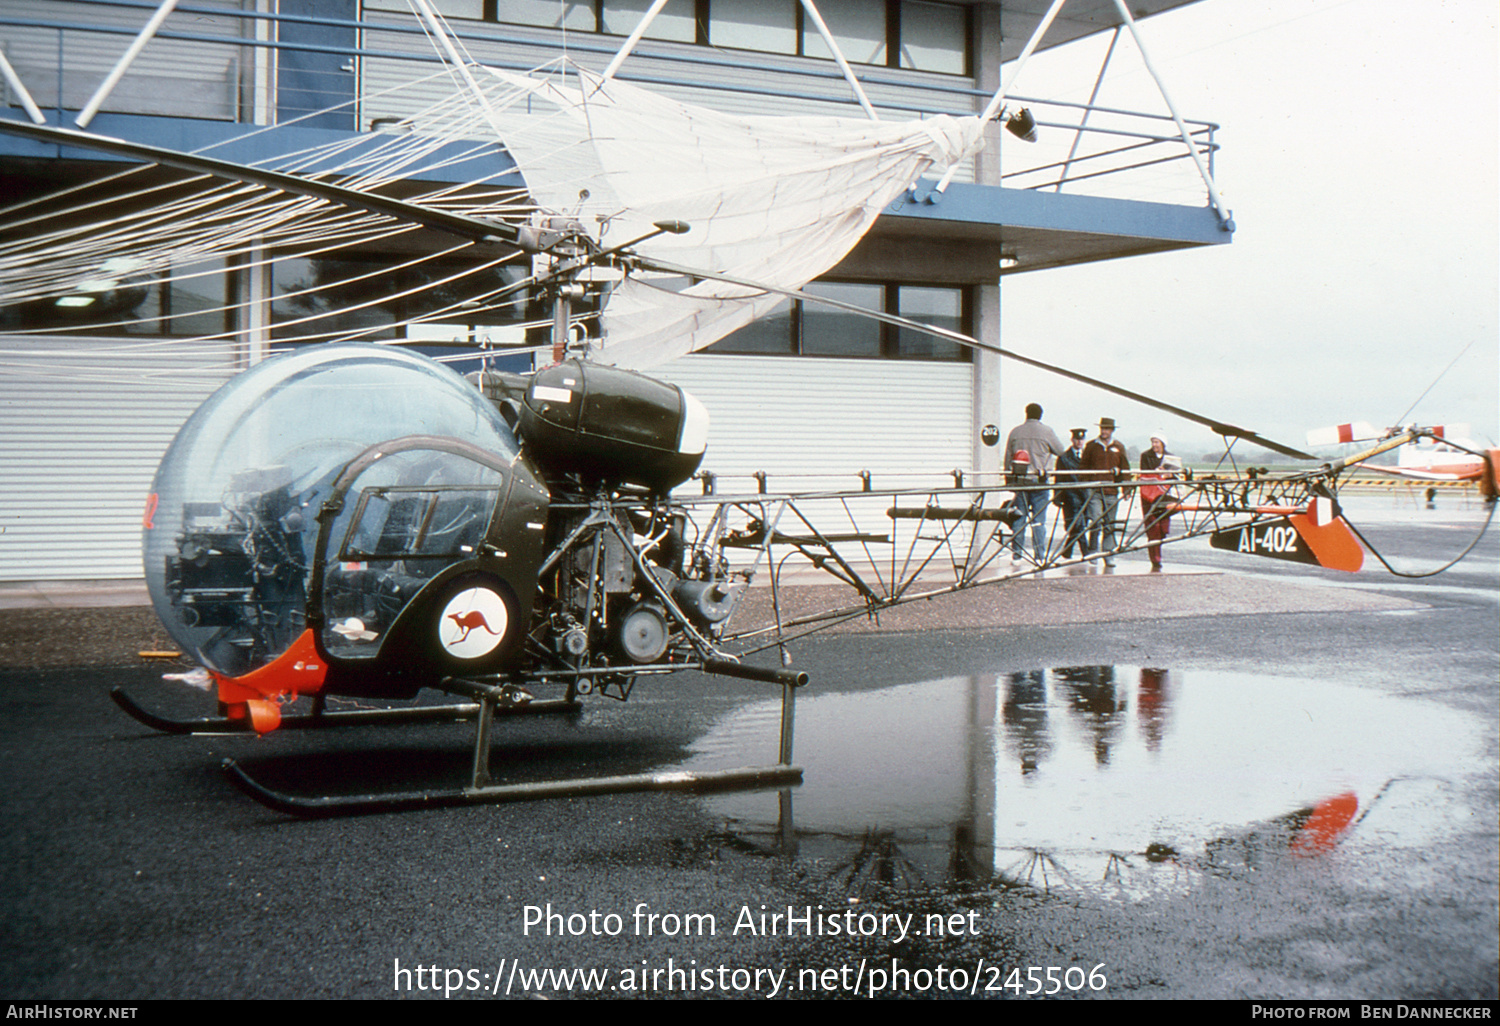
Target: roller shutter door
x,y
83,424
815,423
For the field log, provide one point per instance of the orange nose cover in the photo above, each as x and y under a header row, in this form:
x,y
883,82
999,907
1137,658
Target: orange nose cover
x,y
298,671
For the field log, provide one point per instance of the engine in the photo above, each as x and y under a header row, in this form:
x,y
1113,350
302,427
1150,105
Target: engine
x,y
238,570
625,592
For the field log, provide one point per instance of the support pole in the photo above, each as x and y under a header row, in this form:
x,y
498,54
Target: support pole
x,y
267,60
788,718
786,827
459,62
255,285
1093,96
562,316
16,86
481,774
1225,219
123,64
838,55
998,100
635,37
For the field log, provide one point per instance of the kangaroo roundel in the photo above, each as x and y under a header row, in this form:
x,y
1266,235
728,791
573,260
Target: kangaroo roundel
x,y
473,623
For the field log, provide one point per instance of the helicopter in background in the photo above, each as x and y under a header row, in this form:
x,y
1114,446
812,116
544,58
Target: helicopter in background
x,y
1441,453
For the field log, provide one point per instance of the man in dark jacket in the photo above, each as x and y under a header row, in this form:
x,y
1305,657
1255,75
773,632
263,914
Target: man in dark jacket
x,y
1108,462
1072,501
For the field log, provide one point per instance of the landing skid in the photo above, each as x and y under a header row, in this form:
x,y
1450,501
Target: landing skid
x,y
496,794
320,719
483,790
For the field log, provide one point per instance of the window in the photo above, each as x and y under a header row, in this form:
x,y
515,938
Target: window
x,y
577,17
934,37
769,26
324,298
917,35
453,8
828,331
190,299
942,308
812,329
857,26
775,333
677,21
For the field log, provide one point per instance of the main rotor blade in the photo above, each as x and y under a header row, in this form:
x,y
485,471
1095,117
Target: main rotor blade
x,y
472,228
1217,426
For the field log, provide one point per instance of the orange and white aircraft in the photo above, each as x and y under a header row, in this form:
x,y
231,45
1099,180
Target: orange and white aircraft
x,y
1443,454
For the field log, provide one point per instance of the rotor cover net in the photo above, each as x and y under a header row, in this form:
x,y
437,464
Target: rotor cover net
x,y
777,200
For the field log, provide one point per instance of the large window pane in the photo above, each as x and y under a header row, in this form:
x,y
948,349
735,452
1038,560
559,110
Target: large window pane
x,y
190,299
830,332
197,297
858,26
448,8
330,297
766,25
547,13
942,308
325,298
812,329
769,334
934,37
675,21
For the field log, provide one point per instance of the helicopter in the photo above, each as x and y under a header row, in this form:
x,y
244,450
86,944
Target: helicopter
x,y
356,521
1439,453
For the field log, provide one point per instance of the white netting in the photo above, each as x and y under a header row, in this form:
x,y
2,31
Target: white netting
x,y
778,200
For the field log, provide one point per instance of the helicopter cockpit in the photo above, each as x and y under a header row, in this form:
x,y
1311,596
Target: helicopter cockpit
x,y
240,529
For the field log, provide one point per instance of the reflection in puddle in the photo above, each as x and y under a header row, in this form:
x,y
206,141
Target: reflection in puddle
x,y
1132,778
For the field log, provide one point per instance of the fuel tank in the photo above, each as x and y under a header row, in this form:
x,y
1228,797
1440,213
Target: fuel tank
x,y
612,425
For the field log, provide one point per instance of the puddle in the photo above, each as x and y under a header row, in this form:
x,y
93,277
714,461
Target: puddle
x,y
1127,778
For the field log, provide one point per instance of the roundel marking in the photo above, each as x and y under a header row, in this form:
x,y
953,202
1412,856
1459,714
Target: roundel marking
x,y
473,623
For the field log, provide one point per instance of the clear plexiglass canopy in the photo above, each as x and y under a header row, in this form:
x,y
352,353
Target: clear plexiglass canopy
x,y
232,521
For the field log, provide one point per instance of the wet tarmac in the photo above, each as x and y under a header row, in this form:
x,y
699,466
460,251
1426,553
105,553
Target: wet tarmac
x,y
1291,790
1115,781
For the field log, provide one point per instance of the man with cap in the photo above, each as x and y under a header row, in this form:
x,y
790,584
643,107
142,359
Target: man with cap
x,y
1029,451
1106,460
1072,501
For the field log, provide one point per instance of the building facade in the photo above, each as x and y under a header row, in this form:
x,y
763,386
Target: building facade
x,y
88,402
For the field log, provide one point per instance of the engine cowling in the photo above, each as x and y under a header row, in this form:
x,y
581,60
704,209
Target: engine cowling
x,y
613,425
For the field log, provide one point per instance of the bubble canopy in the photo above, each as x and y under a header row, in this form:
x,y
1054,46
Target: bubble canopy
x,y
232,521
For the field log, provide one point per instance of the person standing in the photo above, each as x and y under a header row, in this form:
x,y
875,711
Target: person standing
x,y
1157,465
1072,501
1029,452
1109,463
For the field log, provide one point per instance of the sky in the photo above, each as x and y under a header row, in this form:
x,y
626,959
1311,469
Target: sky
x,y
1359,158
